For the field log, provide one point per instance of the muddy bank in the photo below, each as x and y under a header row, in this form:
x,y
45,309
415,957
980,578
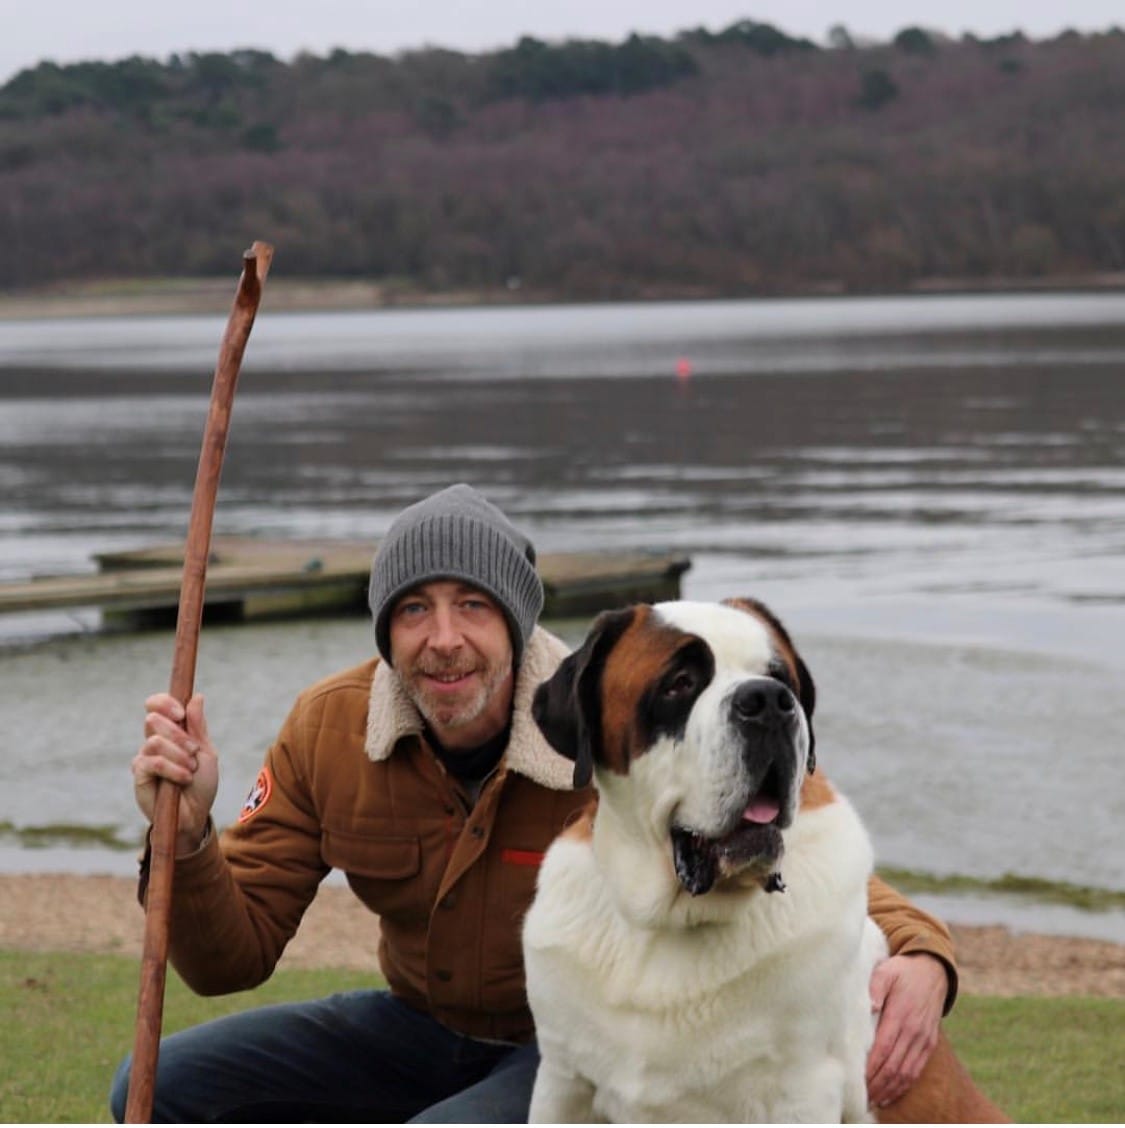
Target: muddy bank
x,y
61,912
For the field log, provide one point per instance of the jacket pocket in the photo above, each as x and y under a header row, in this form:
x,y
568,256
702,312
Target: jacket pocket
x,y
369,855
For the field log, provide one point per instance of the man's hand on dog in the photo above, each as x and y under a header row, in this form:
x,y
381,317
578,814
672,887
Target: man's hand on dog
x,y
908,994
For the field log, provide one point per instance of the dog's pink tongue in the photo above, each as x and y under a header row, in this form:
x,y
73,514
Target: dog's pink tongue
x,y
761,809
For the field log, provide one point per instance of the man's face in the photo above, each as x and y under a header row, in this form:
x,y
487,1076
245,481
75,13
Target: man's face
x,y
451,649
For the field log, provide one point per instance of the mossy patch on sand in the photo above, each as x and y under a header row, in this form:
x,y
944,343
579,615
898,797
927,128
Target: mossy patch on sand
x,y
1032,888
68,834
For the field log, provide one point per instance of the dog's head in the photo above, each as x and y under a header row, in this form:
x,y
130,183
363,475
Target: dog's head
x,y
698,717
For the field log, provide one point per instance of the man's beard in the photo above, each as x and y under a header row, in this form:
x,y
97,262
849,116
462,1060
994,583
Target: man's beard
x,y
464,710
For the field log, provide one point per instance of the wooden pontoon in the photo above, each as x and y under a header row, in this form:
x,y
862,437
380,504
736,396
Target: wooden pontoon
x,y
249,579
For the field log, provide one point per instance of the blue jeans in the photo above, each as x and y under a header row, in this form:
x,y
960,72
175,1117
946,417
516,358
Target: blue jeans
x,y
362,1056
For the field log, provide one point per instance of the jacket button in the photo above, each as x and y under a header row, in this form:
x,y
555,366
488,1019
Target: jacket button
x,y
448,901
443,976
477,832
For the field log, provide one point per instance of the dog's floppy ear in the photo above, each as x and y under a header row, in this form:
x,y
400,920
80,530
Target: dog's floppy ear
x,y
807,698
807,688
567,707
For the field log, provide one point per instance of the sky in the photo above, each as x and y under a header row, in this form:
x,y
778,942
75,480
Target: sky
x,y
66,31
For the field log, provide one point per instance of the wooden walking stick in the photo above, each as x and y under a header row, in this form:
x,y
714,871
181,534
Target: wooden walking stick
x,y
154,959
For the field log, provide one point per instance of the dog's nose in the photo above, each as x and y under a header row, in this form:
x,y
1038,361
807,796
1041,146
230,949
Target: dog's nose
x,y
766,704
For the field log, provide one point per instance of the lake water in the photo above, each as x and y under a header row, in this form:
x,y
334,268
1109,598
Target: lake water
x,y
930,491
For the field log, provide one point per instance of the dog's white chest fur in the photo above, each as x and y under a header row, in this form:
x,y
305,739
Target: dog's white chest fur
x,y
753,1009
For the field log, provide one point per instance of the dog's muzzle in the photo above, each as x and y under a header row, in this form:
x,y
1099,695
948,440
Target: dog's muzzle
x,y
766,716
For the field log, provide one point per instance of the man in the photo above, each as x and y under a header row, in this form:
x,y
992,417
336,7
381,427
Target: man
x,y
422,775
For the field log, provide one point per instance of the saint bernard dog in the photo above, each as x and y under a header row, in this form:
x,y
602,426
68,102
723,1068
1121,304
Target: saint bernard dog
x,y
699,947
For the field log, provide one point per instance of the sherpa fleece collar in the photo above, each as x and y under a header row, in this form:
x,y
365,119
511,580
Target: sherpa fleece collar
x,y
392,715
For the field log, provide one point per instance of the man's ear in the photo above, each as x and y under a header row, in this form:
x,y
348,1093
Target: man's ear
x,y
567,707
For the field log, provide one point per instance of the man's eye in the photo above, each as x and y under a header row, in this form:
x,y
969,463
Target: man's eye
x,y
411,608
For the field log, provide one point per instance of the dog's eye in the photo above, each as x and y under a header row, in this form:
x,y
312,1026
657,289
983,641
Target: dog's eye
x,y
681,684
779,671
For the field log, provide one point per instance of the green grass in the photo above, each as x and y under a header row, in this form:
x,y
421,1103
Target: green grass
x,y
69,1020
1045,1060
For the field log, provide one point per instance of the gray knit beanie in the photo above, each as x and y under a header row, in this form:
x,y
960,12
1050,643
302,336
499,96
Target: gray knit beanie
x,y
457,534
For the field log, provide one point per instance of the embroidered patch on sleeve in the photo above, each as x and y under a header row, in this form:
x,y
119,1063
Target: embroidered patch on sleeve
x,y
258,797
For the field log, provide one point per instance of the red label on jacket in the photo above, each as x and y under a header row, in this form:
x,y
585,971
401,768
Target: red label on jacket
x,y
522,857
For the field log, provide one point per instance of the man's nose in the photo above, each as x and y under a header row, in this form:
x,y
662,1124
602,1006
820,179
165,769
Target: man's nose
x,y
445,634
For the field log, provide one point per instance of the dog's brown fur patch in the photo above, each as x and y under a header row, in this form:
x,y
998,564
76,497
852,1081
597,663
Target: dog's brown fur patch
x,y
816,791
580,826
944,1093
635,664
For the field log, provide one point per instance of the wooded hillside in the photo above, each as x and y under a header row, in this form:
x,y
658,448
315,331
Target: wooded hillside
x,y
742,162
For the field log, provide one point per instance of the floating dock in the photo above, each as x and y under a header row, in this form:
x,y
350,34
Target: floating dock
x,y
251,579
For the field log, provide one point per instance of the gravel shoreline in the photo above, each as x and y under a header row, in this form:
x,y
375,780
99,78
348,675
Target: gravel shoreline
x,y
71,913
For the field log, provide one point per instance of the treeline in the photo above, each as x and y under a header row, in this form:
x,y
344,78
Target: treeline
x,y
742,161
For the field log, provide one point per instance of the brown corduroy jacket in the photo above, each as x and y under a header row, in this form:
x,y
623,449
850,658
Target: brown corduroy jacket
x,y
350,784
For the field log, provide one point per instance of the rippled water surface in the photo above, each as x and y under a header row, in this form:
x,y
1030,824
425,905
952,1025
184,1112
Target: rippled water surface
x,y
930,491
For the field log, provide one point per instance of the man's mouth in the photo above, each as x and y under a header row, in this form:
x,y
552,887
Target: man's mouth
x,y
753,844
447,679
